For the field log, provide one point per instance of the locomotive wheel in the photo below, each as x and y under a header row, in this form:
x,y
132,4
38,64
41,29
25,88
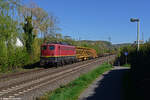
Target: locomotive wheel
x,y
57,64
73,61
62,63
41,64
70,61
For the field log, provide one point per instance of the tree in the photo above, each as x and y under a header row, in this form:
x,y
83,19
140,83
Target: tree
x,y
148,41
28,29
8,34
43,23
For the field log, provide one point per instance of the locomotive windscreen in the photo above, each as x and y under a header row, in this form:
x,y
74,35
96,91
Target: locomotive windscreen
x,y
51,47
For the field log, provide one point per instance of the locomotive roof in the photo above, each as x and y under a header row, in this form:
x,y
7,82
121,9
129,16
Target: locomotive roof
x,y
55,44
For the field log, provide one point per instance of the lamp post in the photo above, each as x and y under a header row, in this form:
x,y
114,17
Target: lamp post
x,y
138,24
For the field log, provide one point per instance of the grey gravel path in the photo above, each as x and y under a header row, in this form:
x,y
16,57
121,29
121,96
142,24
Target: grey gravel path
x,y
106,87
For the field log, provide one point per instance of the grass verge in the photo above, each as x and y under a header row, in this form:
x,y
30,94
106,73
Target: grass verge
x,y
126,65
73,90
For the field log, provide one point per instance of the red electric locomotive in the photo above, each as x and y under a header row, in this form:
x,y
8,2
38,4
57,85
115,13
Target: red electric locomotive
x,y
57,54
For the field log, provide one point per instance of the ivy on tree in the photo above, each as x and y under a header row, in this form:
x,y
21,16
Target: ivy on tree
x,y
28,29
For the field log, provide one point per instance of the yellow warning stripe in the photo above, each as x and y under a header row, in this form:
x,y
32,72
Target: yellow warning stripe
x,y
58,56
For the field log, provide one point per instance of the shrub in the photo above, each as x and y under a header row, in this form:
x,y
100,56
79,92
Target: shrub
x,y
140,62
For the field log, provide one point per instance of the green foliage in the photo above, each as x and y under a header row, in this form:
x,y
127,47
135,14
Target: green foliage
x,y
140,62
136,58
126,65
29,36
8,34
122,57
141,58
36,50
11,56
3,55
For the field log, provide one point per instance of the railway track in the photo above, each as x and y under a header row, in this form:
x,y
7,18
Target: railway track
x,y
40,70
15,90
15,75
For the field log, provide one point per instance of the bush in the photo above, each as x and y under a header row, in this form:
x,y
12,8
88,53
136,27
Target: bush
x,y
140,62
13,58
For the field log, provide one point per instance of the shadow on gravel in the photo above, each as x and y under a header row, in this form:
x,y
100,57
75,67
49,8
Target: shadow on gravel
x,y
110,87
37,65
31,66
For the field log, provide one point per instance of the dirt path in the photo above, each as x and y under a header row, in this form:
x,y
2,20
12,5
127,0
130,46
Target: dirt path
x,y
106,87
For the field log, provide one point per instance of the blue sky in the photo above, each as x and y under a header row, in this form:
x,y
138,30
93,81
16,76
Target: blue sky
x,y
100,19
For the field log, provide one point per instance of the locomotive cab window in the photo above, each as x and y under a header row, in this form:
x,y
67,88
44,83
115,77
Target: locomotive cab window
x,y
51,47
44,47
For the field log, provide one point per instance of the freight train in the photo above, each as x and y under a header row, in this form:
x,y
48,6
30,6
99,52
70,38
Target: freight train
x,y
60,54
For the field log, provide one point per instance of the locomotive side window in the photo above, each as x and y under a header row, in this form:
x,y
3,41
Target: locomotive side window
x,y
44,47
51,47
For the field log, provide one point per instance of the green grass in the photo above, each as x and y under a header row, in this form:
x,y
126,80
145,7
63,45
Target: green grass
x,y
126,65
73,90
